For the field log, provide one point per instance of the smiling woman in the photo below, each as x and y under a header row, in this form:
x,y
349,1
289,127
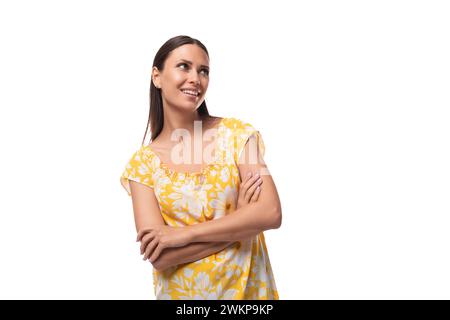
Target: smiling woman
x,y
201,225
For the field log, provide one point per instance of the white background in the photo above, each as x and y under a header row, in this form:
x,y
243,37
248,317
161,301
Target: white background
x,y
351,98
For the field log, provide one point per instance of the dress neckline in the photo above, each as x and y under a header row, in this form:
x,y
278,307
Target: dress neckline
x,y
175,173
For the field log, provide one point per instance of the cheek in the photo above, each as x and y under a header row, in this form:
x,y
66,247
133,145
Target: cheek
x,y
205,84
177,78
174,84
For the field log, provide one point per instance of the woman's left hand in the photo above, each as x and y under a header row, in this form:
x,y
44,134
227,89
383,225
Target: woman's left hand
x,y
155,239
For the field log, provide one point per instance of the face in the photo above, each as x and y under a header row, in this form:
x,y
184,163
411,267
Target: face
x,y
186,68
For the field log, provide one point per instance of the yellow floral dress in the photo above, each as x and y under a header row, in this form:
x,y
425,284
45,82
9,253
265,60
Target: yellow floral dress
x,y
240,271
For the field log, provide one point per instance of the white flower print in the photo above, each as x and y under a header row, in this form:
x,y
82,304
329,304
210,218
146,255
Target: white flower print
x,y
186,200
201,281
164,296
201,196
161,286
178,280
225,174
229,294
188,272
211,295
163,181
143,169
224,201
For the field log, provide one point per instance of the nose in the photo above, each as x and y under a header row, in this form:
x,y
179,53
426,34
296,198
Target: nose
x,y
194,77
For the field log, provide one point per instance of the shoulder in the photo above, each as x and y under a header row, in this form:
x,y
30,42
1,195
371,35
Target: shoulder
x,y
238,126
140,168
238,133
142,156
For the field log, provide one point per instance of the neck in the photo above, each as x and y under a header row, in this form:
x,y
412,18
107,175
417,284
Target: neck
x,y
182,121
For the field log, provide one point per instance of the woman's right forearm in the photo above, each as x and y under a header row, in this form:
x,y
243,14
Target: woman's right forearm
x,y
194,251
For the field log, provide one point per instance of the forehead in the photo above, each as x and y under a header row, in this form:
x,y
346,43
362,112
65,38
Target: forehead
x,y
190,52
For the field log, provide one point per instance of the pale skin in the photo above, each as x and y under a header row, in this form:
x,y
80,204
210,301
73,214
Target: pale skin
x,y
258,209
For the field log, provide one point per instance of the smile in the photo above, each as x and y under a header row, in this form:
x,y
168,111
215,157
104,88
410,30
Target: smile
x,y
190,93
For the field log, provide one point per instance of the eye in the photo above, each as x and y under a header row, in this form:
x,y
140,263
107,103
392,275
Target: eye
x,y
206,71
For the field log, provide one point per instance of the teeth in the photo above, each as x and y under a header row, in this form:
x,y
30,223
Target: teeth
x,y
193,93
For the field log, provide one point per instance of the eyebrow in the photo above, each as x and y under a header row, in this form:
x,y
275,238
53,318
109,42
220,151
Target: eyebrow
x,y
190,62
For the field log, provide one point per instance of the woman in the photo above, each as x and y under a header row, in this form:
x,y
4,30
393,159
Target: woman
x,y
183,207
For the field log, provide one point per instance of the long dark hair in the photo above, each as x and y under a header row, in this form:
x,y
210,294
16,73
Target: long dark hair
x,y
156,114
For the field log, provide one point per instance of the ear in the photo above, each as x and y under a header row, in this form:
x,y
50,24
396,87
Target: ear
x,y
156,77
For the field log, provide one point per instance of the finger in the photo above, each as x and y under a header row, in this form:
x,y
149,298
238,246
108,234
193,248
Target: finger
x,y
248,176
146,240
250,181
253,179
255,196
252,189
150,248
142,232
157,252
242,186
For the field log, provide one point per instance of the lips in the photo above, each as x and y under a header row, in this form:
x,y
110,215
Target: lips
x,y
190,94
191,89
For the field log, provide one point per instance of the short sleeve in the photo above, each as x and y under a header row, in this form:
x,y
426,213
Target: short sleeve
x,y
246,133
140,169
